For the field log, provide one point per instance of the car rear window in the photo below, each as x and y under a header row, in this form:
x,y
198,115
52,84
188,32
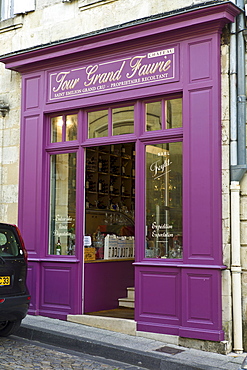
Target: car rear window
x,y
9,245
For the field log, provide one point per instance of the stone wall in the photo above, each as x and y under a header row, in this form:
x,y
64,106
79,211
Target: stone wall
x,y
226,234
243,241
10,83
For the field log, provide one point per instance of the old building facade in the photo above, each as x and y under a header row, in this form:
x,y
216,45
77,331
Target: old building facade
x,y
122,161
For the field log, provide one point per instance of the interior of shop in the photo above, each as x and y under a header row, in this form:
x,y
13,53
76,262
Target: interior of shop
x,y
109,243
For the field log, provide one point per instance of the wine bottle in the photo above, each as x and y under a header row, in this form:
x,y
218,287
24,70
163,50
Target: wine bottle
x,y
133,170
58,247
122,188
111,187
100,185
100,164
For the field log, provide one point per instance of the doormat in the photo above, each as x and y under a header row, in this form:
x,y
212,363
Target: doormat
x,y
170,350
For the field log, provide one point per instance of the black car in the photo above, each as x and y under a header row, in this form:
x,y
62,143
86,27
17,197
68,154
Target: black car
x,y
14,294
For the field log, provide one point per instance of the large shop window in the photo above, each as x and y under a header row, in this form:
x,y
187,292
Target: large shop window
x,y
164,200
62,204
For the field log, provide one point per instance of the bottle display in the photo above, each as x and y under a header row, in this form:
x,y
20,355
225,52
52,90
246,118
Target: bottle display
x,y
110,199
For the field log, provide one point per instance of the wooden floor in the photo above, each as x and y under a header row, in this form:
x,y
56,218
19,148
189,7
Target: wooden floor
x,y
121,313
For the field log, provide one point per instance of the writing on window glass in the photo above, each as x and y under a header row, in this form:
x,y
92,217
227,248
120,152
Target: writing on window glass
x,y
161,231
62,223
160,168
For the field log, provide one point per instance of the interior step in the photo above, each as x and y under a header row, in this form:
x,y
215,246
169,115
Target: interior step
x,y
128,301
131,293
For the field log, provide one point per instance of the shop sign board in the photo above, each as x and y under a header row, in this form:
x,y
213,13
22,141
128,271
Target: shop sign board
x,y
140,69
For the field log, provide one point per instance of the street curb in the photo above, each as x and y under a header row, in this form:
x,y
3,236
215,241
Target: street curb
x,y
147,360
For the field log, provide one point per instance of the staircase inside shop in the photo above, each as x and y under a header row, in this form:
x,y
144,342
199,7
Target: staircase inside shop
x,y
128,301
120,319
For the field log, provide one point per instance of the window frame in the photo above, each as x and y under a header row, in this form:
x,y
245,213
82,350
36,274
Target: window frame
x,y
140,136
11,8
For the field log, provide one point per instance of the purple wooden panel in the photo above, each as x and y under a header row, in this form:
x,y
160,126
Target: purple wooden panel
x,y
29,184
32,88
121,72
31,286
158,295
196,300
200,60
160,286
59,289
33,283
202,301
58,284
105,282
199,298
201,172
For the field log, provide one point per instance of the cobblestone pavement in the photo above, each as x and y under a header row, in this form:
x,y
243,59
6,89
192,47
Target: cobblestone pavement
x,y
21,354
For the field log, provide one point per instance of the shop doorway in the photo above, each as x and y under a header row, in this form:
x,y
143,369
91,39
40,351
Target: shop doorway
x,y
109,232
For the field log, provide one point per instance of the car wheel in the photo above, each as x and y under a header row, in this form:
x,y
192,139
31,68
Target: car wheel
x,y
9,327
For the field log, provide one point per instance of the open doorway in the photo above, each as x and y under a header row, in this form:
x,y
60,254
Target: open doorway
x,y
109,233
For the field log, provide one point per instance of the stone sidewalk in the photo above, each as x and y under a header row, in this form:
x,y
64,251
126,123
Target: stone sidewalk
x,y
147,353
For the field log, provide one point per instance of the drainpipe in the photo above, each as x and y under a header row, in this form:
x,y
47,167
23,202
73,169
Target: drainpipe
x,y
238,165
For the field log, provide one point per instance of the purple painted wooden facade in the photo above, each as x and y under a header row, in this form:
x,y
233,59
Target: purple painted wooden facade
x,y
179,297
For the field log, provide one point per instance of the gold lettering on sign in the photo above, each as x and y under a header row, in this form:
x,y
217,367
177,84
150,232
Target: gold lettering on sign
x,y
147,69
104,77
63,83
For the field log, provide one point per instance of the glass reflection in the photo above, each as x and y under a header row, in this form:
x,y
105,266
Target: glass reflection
x,y
98,124
56,129
123,120
173,110
62,204
153,116
71,127
164,200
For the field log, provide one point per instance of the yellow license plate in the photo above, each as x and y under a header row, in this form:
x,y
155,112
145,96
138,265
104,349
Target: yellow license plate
x,y
4,280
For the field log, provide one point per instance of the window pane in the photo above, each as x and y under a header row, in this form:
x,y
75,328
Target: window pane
x,y
56,129
71,127
98,124
9,245
153,116
123,120
173,113
164,200
6,9
23,6
62,204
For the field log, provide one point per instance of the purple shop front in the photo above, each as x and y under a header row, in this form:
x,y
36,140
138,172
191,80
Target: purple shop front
x,y
120,177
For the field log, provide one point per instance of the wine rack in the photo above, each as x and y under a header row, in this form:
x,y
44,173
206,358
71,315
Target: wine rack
x,y
110,177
